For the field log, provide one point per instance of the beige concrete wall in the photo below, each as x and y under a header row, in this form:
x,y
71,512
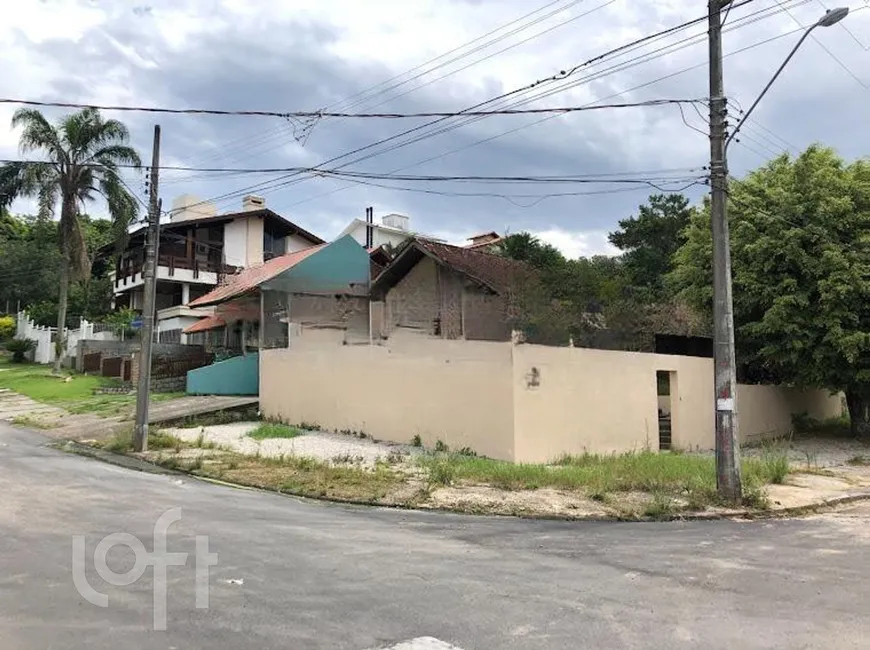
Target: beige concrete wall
x,y
766,411
576,400
527,403
456,391
254,241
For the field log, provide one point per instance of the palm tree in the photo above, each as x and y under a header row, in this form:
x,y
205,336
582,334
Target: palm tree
x,y
83,153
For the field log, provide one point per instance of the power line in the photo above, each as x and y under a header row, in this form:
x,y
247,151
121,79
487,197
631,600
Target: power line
x,y
501,51
251,143
538,197
561,75
571,178
354,101
442,114
282,182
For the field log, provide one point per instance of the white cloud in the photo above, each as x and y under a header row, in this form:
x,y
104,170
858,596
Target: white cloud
x,y
106,52
574,244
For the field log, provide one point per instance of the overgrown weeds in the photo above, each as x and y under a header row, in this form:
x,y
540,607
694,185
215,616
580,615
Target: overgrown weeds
x,y
274,430
122,442
687,477
30,422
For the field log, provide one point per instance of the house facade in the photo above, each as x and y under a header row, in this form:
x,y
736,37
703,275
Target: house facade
x,y
198,250
392,231
445,291
321,286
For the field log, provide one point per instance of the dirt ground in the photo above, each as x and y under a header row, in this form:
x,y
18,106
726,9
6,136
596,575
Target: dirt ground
x,y
824,470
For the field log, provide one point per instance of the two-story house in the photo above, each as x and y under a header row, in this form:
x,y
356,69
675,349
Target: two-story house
x,y
392,231
198,249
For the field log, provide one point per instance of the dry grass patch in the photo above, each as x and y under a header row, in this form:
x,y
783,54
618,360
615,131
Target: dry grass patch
x,y
672,481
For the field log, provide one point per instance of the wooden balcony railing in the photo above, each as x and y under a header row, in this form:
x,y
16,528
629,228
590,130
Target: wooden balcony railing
x,y
131,270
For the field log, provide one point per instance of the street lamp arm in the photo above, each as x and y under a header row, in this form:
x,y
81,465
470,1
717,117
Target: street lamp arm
x,y
769,84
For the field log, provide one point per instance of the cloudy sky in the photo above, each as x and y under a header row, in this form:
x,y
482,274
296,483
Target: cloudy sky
x,y
438,55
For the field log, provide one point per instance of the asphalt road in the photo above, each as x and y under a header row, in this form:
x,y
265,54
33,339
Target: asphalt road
x,y
296,574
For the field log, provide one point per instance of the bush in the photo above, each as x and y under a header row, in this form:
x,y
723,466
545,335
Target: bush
x,y
19,348
7,327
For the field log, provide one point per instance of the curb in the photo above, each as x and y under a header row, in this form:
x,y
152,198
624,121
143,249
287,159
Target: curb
x,y
121,460
137,464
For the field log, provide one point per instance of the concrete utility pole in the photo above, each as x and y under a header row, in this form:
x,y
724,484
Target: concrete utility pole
x,y
727,448
149,273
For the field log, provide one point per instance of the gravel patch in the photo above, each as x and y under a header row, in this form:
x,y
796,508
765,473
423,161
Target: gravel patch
x,y
325,446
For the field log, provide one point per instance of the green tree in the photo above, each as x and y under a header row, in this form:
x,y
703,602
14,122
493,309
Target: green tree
x,y
649,241
84,152
29,271
800,241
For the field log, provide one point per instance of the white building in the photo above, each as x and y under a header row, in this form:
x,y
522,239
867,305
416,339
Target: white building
x,y
198,248
393,230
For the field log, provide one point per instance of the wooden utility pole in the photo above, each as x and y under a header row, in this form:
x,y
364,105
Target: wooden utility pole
x,y
727,448
149,274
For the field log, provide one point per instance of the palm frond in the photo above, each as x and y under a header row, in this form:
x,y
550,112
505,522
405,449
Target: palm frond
x,y
118,154
38,134
23,179
122,205
86,132
47,199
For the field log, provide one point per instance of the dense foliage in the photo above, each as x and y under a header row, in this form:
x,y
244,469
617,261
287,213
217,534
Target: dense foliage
x,y
30,270
800,241
83,156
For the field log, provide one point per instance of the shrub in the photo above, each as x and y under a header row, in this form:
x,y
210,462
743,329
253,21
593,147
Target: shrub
x,y
19,348
7,327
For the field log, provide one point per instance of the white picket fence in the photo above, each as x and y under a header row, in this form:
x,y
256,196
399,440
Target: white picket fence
x,y
44,336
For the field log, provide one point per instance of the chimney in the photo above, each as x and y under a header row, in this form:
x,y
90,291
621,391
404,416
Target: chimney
x,y
399,221
483,238
252,202
188,207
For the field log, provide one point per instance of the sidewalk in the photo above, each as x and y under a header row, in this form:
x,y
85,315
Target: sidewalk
x,y
58,423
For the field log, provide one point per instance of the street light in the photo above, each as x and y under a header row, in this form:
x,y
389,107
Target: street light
x,y
725,375
831,17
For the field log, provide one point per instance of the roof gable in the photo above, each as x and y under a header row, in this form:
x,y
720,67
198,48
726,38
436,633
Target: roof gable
x,y
495,272
253,277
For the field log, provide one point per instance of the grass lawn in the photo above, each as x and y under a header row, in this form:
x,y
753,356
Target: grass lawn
x,y
71,391
274,430
689,477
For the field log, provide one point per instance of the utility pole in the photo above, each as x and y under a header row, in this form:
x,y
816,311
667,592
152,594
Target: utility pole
x,y
149,273
727,448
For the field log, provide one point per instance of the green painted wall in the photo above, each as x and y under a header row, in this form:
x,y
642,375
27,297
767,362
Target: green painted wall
x,y
236,376
334,268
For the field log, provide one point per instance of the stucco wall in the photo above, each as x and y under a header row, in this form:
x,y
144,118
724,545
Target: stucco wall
x,y
236,242
455,391
766,411
527,403
255,241
576,400
296,243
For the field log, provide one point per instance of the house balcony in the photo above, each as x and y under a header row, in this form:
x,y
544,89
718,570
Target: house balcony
x,y
173,268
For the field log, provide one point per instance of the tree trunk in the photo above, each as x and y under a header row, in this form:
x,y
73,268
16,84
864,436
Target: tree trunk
x,y
858,402
62,300
67,212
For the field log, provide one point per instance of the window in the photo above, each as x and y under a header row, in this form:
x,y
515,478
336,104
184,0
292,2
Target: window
x,y
273,245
